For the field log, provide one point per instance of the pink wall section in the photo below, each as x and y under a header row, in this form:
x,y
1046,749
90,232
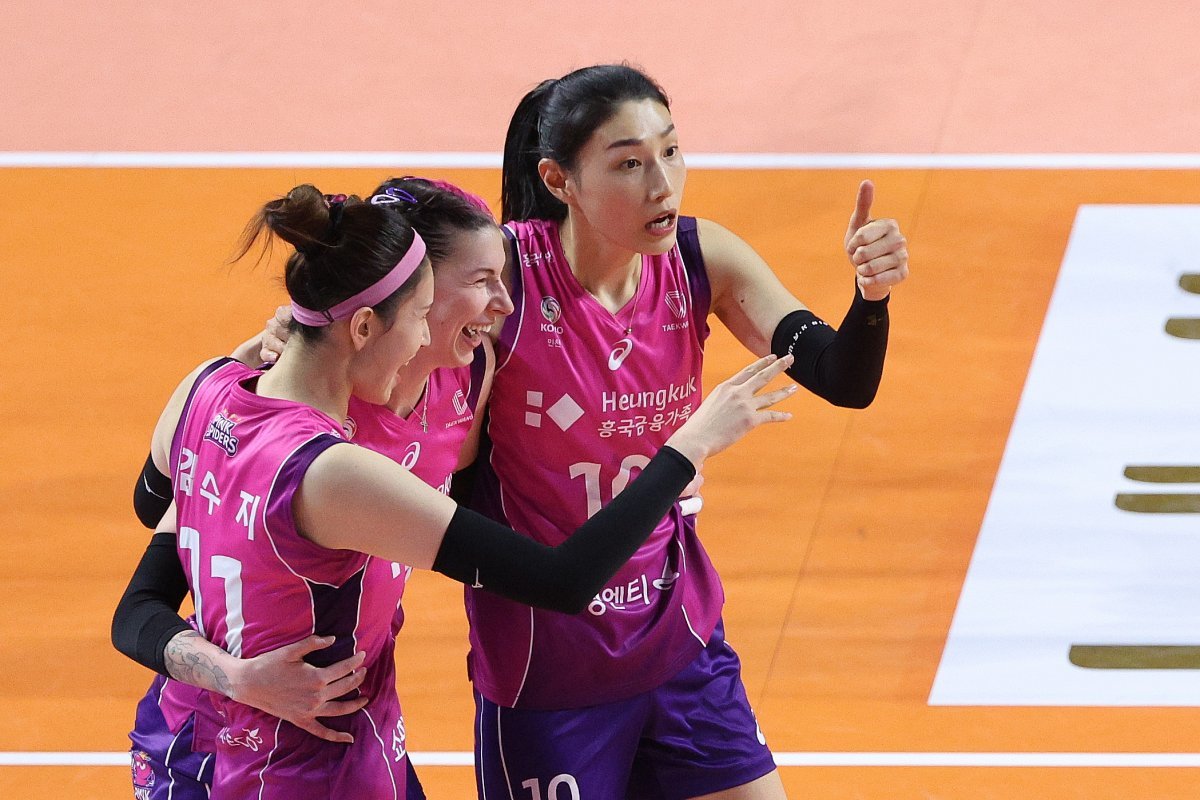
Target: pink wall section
x,y
922,76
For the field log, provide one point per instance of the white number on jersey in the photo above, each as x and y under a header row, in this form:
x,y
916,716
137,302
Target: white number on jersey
x,y
535,787
229,570
591,479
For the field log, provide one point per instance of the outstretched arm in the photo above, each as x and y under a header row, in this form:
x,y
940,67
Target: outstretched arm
x,y
354,499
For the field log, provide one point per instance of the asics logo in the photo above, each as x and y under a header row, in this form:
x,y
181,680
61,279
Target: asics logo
x,y
411,456
618,354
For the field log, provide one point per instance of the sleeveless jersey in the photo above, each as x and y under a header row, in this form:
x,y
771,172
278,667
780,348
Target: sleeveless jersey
x,y
238,460
432,455
430,450
581,400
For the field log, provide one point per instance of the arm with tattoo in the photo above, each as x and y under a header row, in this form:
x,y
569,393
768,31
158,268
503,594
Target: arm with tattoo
x,y
192,659
148,629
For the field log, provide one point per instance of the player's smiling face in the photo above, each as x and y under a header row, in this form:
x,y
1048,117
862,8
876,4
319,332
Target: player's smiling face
x,y
468,296
628,178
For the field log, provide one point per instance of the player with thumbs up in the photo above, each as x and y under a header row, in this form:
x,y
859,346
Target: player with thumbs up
x,y
638,695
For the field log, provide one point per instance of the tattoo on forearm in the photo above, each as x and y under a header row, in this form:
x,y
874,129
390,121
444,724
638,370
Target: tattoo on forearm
x,y
187,662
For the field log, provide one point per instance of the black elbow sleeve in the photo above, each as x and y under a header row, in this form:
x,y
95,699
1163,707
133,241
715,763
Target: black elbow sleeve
x,y
151,494
147,616
843,366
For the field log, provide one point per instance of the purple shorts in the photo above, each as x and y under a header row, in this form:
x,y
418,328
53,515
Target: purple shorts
x,y
163,763
166,768
692,736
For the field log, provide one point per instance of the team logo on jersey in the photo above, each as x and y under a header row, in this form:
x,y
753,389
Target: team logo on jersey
x,y
460,403
247,738
619,353
349,427
564,413
143,773
220,433
677,302
551,310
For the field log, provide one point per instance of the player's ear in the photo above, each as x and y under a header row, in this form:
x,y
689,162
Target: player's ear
x,y
360,326
555,178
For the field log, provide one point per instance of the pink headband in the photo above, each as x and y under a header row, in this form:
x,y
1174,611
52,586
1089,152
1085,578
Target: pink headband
x,y
371,296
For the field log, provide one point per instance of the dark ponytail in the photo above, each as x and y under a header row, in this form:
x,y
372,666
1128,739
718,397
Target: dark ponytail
x,y
555,120
523,195
343,246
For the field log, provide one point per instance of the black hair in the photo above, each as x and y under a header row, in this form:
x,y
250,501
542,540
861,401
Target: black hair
x,y
555,120
436,209
343,246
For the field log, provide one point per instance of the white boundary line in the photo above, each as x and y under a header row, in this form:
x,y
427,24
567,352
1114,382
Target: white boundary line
x,y
833,759
450,160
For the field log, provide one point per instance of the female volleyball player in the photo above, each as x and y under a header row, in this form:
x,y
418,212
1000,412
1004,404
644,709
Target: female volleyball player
x,y
275,520
637,695
429,425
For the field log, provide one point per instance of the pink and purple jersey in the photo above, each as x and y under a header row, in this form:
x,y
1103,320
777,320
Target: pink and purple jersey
x,y
582,399
257,584
426,442
430,451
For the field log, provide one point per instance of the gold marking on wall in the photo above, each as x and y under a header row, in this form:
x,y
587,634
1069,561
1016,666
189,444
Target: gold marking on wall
x,y
1190,282
1162,474
1135,656
1184,327
1159,503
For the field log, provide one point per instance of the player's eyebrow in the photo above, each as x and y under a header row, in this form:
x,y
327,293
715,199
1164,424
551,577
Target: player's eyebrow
x,y
635,142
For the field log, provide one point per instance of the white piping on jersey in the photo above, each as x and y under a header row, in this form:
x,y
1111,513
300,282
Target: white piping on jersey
x,y
312,601
687,281
699,638
482,749
208,783
184,418
267,504
528,657
503,760
362,591
682,572
167,764
516,271
504,511
262,782
382,753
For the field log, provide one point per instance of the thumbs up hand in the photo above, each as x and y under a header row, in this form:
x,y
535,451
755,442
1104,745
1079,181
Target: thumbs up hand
x,y
876,248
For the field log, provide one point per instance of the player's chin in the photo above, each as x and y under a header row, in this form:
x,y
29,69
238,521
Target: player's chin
x,y
656,245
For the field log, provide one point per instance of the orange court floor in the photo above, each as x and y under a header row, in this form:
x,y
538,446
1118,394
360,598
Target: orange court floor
x,y
843,537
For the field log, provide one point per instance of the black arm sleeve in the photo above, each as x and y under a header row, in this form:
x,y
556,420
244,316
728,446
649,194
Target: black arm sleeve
x,y
151,494
485,554
148,615
842,366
